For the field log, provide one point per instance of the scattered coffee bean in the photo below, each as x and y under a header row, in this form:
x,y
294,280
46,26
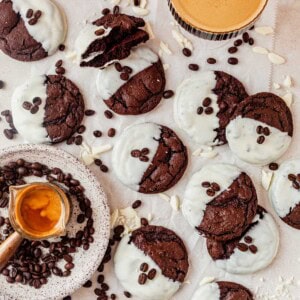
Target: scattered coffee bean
x,y
210,192
97,133
8,134
142,278
127,70
124,76
26,105
168,94
136,2
88,284
104,168
233,61
266,131
194,67
215,187
259,129
37,101
116,10
29,13
61,47
211,61
251,41
81,129
78,140
245,37
292,177
187,52
242,247
261,140
32,21
144,222
200,110
89,112
37,14
60,70
98,162
273,166
209,110
34,109
67,298
111,132
232,50
253,249
248,239
136,204
118,67
206,102
99,32
59,63
144,267
238,43
205,184
152,274
108,114
127,294
2,84
296,185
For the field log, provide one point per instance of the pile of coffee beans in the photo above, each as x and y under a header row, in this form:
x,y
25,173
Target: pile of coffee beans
x,y
10,132
35,261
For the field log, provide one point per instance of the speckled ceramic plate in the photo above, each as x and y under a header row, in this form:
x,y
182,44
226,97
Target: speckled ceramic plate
x,y
86,262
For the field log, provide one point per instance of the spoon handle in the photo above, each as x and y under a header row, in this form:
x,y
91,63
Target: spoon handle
x,y
9,247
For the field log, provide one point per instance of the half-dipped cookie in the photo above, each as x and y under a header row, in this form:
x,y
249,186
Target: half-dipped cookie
x,y
149,158
204,105
284,192
254,250
220,201
47,109
222,290
261,129
151,263
109,39
30,30
133,85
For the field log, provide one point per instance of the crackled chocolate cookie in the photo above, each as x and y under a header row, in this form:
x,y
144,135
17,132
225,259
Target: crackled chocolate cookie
x,y
261,129
204,105
254,250
108,39
151,263
222,290
284,192
220,201
47,109
149,158
134,85
30,30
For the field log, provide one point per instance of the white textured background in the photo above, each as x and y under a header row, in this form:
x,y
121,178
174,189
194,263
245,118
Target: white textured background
x,y
254,71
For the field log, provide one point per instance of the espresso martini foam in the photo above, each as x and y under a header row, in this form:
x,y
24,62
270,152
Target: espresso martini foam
x,y
216,19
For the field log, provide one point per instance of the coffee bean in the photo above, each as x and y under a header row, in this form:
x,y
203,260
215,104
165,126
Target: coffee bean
x,y
61,47
32,21
104,286
251,41
127,294
97,133
296,185
80,218
105,11
245,37
215,187
118,67
89,112
260,140
248,239
152,274
37,253
206,102
69,266
88,284
67,298
8,134
127,70
292,177
210,192
186,52
34,109
68,258
273,166
37,101
60,70
113,296
266,131
98,162
1,221
124,76
108,114
233,61
10,280
209,110
19,278
58,63
136,2
26,105
142,278
168,94
104,168
211,60
136,204
81,129
37,14
194,67
111,132
238,43
259,129
232,50
206,184
144,267
144,222
253,249
29,13
242,247
119,229
100,278
200,110
99,32
144,158
78,140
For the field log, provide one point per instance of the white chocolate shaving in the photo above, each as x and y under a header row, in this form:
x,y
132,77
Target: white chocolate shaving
x,y
140,11
264,30
165,48
207,280
175,202
288,99
276,59
266,179
288,81
260,50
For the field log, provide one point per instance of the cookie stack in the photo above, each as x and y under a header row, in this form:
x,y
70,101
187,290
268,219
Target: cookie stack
x,y
220,202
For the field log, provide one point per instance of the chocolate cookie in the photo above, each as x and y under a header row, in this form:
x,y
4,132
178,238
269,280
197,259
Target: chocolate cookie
x,y
284,192
149,158
30,30
108,39
222,290
261,129
220,201
204,105
134,85
151,263
254,250
47,109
